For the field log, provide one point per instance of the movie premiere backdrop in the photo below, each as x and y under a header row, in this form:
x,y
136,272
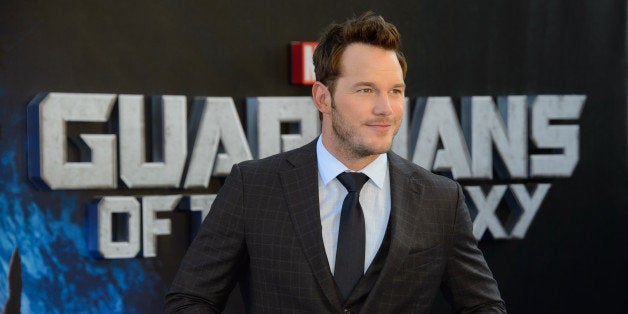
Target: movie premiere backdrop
x,y
121,119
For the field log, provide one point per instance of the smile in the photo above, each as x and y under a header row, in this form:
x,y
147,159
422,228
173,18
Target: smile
x,y
379,127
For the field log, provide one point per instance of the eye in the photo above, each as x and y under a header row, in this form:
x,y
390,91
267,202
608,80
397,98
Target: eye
x,y
366,90
397,91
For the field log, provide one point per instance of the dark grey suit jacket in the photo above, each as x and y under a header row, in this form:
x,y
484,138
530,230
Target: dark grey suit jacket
x,y
264,231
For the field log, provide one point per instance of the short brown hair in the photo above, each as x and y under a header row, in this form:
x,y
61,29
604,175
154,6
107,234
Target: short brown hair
x,y
368,29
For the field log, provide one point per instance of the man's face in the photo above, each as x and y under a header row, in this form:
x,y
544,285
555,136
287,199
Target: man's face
x,y
367,102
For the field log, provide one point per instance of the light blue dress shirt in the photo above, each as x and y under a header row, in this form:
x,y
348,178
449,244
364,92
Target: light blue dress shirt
x,y
374,199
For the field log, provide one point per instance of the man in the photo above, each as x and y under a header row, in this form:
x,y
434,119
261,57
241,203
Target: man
x,y
302,232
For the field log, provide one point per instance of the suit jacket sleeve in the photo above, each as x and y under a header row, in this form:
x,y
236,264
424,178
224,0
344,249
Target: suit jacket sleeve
x,y
213,262
468,283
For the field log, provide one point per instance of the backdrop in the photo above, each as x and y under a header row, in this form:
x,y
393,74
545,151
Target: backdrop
x,y
571,257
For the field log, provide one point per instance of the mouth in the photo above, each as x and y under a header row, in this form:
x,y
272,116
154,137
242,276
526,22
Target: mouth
x,y
379,126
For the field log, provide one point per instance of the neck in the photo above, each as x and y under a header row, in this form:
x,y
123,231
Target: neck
x,y
347,157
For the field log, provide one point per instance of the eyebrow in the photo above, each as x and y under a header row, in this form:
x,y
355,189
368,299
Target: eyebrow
x,y
370,84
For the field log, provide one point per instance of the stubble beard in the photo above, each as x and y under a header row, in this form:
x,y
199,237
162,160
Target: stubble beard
x,y
349,138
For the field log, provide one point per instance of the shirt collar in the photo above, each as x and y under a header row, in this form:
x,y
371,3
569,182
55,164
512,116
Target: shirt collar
x,y
329,167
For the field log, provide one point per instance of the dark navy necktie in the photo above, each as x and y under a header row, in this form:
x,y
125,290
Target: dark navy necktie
x,y
351,235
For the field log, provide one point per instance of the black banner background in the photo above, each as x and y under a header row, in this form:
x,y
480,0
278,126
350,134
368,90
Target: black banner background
x,y
573,258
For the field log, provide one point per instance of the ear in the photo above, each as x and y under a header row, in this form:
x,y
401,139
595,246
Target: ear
x,y
321,97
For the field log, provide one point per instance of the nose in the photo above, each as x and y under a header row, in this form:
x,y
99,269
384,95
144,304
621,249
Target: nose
x,y
383,105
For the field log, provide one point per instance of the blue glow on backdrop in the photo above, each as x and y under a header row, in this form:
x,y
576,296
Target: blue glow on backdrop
x,y
57,273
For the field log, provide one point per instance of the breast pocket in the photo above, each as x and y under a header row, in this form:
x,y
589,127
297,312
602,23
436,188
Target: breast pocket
x,y
429,259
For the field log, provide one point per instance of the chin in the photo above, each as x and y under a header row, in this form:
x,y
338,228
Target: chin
x,y
380,149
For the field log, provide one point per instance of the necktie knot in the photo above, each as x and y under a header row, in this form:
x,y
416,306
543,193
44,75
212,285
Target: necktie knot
x,y
353,181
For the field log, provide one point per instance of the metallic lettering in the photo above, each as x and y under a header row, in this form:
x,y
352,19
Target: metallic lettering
x,y
438,122
265,115
151,226
510,137
49,165
170,149
100,216
560,137
214,120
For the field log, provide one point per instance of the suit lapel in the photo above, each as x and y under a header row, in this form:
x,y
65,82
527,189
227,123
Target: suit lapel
x,y
405,194
300,186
